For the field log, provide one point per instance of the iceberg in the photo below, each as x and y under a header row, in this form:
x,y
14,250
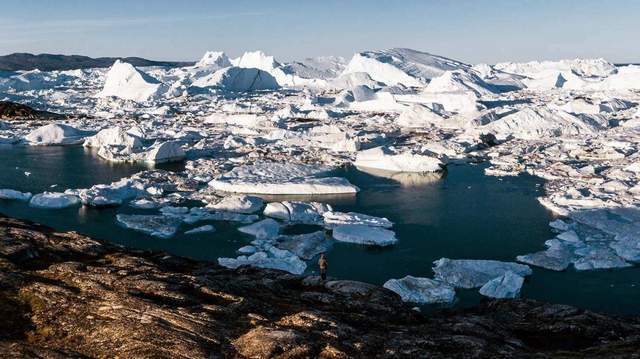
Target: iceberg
x,y
276,178
123,80
332,219
401,66
382,158
305,246
267,256
239,204
265,229
55,134
505,286
297,212
10,194
474,273
421,290
113,136
363,234
238,79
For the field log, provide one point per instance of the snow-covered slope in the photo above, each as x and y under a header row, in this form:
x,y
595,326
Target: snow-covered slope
x,y
402,66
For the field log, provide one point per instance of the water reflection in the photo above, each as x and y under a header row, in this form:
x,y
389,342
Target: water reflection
x,y
406,179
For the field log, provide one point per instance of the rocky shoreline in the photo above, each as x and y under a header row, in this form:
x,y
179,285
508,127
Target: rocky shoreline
x,y
66,295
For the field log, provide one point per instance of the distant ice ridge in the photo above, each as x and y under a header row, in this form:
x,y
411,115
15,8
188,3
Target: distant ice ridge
x,y
402,66
580,67
239,80
284,75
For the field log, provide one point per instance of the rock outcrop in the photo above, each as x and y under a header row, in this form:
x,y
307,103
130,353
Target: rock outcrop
x,y
66,295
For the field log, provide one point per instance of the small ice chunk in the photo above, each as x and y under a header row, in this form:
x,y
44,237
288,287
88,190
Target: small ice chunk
x,y
247,250
54,200
265,229
11,194
154,225
144,203
505,286
362,234
202,229
239,204
421,290
474,273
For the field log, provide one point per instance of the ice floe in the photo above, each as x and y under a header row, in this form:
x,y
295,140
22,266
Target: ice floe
x,y
155,225
421,290
474,273
11,194
363,234
53,200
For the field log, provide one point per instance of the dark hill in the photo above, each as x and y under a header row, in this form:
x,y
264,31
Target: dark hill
x,y
49,62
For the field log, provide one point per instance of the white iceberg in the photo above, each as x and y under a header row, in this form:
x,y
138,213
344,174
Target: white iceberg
x,y
363,234
332,219
278,178
123,80
113,136
384,159
297,212
238,80
268,257
239,204
55,134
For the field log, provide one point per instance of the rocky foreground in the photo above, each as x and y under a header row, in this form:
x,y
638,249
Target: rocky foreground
x,y
66,295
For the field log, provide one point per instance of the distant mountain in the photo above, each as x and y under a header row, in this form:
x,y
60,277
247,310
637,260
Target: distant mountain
x,y
49,62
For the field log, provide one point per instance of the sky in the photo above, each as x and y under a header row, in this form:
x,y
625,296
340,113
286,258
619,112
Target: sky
x,y
474,31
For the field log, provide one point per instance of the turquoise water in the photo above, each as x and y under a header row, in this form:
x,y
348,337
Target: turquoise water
x,y
463,214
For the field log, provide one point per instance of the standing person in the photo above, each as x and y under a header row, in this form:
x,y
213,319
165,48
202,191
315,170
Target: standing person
x,y
322,263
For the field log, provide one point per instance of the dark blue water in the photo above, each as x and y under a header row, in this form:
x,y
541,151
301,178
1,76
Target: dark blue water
x,y
464,214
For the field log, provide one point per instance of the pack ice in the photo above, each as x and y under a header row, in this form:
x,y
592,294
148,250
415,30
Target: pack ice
x,y
256,125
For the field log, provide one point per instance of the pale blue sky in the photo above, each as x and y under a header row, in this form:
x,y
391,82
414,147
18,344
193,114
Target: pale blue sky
x,y
468,30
